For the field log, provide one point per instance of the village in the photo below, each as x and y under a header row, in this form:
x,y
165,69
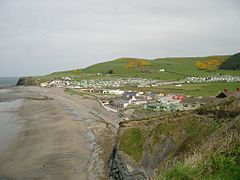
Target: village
x,y
67,82
116,100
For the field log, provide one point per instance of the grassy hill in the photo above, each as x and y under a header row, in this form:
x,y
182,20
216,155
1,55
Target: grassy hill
x,y
232,63
174,69
200,144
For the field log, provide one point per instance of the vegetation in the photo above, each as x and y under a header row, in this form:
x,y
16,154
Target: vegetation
x,y
195,90
200,144
214,165
28,81
137,63
132,143
174,69
211,64
110,72
232,63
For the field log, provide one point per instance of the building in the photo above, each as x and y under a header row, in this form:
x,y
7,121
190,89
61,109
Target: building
x,y
163,107
130,94
178,97
119,103
221,95
194,103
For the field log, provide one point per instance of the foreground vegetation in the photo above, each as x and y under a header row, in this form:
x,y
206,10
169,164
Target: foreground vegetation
x,y
201,144
214,165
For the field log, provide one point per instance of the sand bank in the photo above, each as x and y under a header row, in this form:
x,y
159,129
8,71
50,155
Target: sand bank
x,y
61,136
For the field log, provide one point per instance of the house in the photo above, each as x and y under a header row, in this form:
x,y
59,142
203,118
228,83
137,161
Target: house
x,y
178,97
128,98
151,97
119,103
168,99
130,94
66,78
163,107
58,83
221,95
138,100
225,93
236,93
193,103
45,84
116,92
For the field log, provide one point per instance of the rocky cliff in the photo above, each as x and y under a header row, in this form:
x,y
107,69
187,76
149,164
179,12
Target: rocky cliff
x,y
28,81
150,147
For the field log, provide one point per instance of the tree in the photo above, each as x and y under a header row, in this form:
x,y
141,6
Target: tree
x,y
110,72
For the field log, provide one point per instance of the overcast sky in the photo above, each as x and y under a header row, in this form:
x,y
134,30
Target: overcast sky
x,y
41,36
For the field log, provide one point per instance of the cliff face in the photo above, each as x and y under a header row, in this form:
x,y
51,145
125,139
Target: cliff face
x,y
28,81
148,148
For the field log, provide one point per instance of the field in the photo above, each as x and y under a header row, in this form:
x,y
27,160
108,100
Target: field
x,y
174,69
195,90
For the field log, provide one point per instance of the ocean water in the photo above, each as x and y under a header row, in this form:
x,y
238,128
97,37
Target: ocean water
x,y
9,108
8,81
9,122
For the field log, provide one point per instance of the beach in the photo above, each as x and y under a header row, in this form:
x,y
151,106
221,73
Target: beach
x,y
50,134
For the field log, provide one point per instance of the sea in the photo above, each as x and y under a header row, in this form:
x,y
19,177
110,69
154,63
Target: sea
x,y
8,81
9,108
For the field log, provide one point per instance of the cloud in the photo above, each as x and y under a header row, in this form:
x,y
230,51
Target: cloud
x,y
38,37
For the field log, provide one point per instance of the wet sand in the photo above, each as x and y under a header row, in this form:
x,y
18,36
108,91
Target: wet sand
x,y
61,136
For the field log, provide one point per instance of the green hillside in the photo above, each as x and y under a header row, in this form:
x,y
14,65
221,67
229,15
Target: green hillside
x,y
174,69
232,63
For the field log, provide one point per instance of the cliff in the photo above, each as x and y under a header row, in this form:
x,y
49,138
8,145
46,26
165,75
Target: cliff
x,y
28,81
160,147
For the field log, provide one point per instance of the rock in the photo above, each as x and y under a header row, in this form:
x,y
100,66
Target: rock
x,y
119,169
28,81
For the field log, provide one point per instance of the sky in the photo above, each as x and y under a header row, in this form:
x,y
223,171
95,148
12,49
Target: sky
x,y
38,37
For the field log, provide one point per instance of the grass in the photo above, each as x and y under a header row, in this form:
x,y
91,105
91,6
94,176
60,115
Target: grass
x,y
175,69
212,166
195,90
203,144
187,133
204,89
131,142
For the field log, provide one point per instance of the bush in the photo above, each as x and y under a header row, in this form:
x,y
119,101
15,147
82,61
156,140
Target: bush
x,y
110,72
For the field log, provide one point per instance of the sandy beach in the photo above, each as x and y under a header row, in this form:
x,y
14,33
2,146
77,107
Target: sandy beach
x,y
56,136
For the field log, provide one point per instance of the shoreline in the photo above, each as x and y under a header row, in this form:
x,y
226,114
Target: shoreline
x,y
63,136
